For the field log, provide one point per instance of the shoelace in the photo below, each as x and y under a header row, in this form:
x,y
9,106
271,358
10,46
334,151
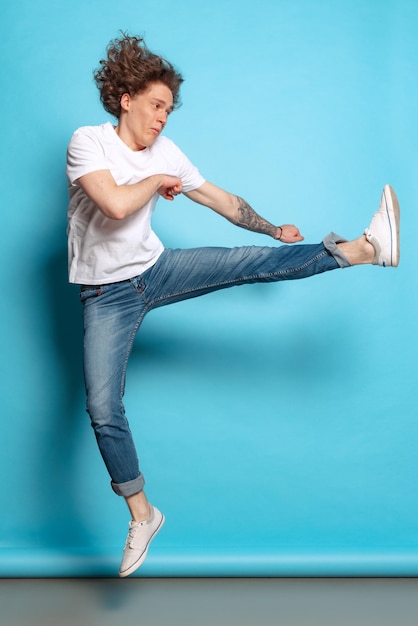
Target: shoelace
x,y
132,534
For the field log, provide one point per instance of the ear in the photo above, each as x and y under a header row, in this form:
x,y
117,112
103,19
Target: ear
x,y
125,102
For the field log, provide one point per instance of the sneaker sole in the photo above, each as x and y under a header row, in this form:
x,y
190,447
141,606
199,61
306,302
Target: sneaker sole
x,y
393,214
143,556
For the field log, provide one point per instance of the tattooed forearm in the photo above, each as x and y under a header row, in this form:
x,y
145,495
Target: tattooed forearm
x,y
249,219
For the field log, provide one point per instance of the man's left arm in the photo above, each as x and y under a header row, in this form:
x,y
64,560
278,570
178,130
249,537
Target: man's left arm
x,y
239,212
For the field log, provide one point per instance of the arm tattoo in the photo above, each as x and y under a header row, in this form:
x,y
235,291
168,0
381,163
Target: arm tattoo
x,y
249,219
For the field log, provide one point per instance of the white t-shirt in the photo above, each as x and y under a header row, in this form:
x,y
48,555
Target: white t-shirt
x,y
102,250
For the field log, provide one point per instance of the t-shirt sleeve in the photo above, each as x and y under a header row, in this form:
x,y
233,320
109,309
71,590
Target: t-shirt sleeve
x,y
189,174
84,154
191,177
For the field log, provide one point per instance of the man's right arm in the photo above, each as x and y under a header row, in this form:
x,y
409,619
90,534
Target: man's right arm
x,y
119,201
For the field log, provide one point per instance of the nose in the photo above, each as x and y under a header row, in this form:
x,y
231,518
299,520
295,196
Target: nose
x,y
162,117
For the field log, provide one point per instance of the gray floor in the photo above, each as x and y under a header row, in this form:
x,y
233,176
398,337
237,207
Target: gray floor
x,y
204,601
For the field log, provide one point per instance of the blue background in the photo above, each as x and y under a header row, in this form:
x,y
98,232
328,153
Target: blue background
x,y
276,424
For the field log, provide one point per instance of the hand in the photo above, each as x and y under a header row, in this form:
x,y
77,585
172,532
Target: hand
x,y
170,187
288,234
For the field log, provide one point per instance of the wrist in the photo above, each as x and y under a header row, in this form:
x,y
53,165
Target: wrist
x,y
279,234
158,180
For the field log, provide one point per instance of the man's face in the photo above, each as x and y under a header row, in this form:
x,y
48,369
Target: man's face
x,y
144,116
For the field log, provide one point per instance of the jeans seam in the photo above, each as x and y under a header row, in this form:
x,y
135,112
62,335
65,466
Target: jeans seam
x,y
124,370
322,254
128,353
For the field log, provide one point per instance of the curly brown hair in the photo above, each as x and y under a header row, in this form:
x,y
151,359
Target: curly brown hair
x,y
129,68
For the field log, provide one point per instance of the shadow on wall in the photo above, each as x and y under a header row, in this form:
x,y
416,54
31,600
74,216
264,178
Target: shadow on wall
x,y
57,468
56,452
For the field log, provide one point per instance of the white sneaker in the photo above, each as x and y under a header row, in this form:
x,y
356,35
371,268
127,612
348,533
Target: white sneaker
x,y
137,543
383,232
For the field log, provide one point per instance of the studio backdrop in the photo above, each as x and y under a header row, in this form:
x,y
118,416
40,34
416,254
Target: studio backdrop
x,y
276,424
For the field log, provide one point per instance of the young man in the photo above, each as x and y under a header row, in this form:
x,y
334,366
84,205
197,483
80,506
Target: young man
x,y
115,175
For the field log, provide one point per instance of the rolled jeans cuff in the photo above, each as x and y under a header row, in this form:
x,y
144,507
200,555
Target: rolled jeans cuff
x,y
130,487
330,243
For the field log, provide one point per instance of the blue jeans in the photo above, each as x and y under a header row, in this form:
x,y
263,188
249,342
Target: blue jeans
x,y
113,314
